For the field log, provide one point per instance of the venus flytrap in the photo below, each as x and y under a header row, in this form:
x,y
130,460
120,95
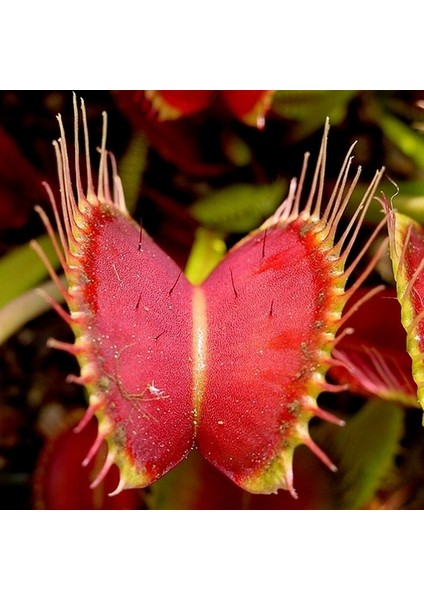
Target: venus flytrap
x,y
232,365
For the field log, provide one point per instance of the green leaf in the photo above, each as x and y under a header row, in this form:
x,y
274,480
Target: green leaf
x,y
364,451
238,208
207,251
403,137
236,149
26,307
131,170
21,269
410,200
311,107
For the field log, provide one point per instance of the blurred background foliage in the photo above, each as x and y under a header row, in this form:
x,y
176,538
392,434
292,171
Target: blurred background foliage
x,y
199,170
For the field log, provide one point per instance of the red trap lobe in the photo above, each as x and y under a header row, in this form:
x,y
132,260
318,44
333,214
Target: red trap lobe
x,y
262,348
140,305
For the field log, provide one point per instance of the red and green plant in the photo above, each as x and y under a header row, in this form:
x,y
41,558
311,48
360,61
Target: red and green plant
x,y
246,320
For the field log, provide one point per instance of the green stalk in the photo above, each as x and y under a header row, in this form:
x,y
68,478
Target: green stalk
x,y
21,270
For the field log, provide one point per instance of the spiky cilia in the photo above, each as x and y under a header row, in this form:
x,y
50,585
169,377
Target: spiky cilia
x,y
232,366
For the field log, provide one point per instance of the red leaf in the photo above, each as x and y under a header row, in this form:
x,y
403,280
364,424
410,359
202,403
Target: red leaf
x,y
172,104
375,353
249,105
61,482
